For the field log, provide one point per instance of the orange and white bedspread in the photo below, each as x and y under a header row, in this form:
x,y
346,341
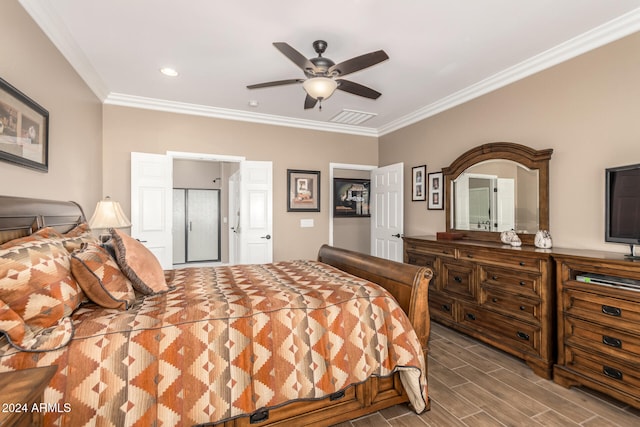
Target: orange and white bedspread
x,y
226,342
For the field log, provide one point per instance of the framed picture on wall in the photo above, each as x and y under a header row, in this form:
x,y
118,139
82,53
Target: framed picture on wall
x,y
351,197
24,129
436,191
418,183
303,189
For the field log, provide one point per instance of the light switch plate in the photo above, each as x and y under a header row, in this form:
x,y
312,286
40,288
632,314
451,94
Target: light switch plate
x,y
306,223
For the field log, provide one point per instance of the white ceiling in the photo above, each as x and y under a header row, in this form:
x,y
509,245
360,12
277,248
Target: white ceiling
x,y
442,52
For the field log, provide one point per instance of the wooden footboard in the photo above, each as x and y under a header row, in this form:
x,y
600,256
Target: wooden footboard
x,y
409,286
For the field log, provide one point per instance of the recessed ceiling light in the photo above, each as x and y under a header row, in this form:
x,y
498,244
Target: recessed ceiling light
x,y
167,71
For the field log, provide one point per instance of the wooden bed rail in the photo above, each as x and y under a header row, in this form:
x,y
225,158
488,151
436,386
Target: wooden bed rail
x,y
408,284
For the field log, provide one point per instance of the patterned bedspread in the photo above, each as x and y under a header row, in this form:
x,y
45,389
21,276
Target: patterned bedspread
x,y
225,342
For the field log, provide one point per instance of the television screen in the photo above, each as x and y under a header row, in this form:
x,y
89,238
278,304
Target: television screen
x,y
623,204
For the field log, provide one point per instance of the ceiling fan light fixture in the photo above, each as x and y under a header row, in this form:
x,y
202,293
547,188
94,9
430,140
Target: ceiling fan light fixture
x,y
320,87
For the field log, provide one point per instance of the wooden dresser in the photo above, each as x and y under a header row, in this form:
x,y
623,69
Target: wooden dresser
x,y
599,324
499,294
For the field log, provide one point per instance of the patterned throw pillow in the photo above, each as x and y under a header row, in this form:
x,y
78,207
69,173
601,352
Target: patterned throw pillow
x,y
37,286
139,264
100,277
74,238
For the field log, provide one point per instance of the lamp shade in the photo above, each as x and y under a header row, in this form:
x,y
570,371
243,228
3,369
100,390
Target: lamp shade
x,y
108,214
320,87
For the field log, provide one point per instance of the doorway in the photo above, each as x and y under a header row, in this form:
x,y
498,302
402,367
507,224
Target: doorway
x,y
196,225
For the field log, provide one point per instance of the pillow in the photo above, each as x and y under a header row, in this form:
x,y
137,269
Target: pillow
x,y
37,286
74,238
138,263
43,233
100,278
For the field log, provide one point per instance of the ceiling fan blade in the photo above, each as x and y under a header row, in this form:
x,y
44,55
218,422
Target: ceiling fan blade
x,y
296,57
359,62
309,102
275,83
357,89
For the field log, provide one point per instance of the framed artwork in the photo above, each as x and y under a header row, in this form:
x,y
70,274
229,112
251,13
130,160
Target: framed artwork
x,y
418,183
436,191
351,197
303,188
24,129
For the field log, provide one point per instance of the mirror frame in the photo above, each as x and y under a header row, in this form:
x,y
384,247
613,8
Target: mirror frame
x,y
526,156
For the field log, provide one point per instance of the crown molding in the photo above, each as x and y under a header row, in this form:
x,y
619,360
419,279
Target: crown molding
x,y
46,18
613,30
229,114
53,27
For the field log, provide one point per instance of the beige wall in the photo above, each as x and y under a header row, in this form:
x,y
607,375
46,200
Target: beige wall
x,y
586,109
131,129
32,64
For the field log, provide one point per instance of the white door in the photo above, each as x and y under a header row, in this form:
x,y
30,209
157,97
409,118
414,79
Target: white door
x,y
387,212
506,205
151,204
255,242
234,217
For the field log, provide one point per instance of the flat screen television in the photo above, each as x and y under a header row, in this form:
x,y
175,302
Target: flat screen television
x,y
622,206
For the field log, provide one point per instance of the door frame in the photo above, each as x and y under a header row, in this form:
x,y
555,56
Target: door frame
x,y
348,166
183,155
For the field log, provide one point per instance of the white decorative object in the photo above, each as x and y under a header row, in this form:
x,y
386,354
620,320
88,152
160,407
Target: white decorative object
x,y
515,241
543,239
507,236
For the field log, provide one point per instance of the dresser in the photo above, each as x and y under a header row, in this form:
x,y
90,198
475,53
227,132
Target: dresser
x,y
599,323
498,294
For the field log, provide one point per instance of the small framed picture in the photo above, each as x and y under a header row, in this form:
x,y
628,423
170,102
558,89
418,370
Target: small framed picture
x,y
303,189
418,183
436,191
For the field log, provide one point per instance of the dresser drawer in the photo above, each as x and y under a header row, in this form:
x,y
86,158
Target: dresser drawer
x,y
457,279
512,259
511,281
526,309
614,343
442,307
609,311
506,331
432,248
423,260
618,376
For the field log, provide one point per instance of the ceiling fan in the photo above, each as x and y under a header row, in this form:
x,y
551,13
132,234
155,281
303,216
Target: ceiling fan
x,y
325,76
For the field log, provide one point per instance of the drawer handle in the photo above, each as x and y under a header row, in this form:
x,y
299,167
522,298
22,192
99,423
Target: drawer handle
x,y
611,341
469,255
522,283
412,260
612,372
494,277
458,279
446,307
471,316
611,311
494,299
445,252
522,335
523,308
522,263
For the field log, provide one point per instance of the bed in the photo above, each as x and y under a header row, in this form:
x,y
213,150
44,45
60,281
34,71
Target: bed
x,y
295,343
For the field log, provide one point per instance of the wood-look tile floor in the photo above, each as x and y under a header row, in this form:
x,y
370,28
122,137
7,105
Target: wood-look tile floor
x,y
472,384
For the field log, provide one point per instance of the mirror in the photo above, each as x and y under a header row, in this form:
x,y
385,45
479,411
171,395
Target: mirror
x,y
497,187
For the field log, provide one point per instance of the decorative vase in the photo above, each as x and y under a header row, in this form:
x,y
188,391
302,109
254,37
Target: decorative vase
x,y
543,239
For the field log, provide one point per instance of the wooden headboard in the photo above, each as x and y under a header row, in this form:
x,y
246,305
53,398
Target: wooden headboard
x,y
21,216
